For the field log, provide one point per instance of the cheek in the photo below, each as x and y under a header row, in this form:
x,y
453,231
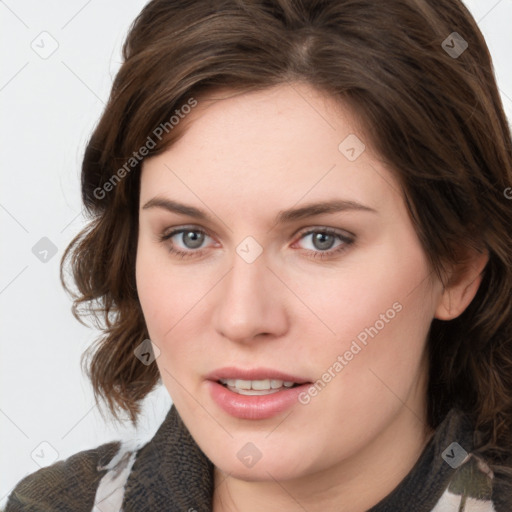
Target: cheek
x,y
370,283
164,309
171,298
158,298
378,313
152,282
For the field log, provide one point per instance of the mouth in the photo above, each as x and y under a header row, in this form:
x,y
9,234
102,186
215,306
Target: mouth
x,y
254,394
257,387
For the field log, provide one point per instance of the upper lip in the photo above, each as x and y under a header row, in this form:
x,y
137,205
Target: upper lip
x,y
253,374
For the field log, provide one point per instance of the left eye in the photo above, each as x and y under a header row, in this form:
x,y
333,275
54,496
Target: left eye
x,y
323,240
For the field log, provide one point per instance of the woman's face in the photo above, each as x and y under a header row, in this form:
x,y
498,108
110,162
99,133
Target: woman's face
x,y
297,263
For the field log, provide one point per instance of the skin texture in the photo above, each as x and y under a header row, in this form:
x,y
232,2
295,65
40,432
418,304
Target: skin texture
x,y
243,159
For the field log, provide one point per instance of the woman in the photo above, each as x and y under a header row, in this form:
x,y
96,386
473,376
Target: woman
x,y
301,227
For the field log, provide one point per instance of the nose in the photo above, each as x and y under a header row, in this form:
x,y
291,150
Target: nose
x,y
250,302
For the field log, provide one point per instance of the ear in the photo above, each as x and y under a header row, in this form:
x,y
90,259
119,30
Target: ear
x,y
463,283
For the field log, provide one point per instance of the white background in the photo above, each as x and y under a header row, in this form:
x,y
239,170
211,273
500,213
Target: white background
x,y
49,108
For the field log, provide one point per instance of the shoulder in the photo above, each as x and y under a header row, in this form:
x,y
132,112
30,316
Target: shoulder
x,y
76,483
476,485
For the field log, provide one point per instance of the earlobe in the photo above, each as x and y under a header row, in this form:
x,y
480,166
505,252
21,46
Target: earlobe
x,y
462,287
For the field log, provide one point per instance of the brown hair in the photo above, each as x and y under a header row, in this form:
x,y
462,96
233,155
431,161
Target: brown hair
x,y
434,117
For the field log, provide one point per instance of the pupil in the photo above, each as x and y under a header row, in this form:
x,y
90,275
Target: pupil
x,y
323,241
193,239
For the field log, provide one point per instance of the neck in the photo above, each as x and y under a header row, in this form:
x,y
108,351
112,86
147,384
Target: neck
x,y
353,485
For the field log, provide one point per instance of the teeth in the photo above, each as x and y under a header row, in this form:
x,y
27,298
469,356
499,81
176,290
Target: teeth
x,y
256,387
243,384
260,385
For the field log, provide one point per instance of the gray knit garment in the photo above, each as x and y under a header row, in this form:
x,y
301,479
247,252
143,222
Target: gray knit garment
x,y
171,474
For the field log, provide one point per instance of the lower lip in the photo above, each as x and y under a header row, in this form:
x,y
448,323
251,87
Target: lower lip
x,y
254,407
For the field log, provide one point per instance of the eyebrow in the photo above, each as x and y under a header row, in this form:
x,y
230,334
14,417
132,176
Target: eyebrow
x,y
283,217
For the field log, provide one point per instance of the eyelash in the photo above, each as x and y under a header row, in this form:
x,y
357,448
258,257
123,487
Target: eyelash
x,y
330,253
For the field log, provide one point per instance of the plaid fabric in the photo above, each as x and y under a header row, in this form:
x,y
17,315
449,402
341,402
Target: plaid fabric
x,y
171,474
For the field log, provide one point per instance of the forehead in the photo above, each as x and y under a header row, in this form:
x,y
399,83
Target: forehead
x,y
278,146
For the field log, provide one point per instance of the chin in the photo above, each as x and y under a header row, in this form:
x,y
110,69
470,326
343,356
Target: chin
x,y
275,466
